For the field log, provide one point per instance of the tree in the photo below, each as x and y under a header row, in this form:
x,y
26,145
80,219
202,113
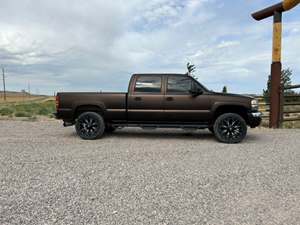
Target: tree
x,y
285,81
191,69
224,89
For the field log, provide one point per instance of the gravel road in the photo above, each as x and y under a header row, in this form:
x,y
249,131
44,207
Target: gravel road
x,y
50,176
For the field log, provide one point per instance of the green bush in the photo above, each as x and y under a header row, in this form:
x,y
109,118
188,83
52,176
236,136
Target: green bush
x,y
23,114
26,107
6,111
43,111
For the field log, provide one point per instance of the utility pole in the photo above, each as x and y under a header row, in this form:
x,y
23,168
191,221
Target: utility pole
x,y
29,89
276,90
4,91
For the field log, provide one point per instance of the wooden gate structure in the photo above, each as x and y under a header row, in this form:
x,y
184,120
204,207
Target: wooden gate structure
x,y
276,90
289,106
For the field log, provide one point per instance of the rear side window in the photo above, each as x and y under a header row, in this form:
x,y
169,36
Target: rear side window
x,y
148,84
179,84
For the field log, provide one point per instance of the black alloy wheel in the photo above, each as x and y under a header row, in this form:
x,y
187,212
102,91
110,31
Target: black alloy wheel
x,y
230,128
90,126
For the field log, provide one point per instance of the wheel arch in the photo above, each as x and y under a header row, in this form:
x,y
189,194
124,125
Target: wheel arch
x,y
88,108
239,109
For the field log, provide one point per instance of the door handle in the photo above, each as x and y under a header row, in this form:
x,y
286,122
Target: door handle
x,y
169,98
138,99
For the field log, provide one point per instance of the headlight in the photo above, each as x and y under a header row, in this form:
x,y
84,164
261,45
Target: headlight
x,y
254,104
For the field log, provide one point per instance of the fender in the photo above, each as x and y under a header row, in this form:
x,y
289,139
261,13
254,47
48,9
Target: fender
x,y
217,105
97,104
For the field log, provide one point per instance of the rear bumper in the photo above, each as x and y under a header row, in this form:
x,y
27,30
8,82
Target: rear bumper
x,y
64,114
254,119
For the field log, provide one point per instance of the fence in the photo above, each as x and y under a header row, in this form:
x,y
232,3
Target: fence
x,y
290,107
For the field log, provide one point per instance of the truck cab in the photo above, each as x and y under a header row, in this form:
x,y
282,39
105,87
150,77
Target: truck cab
x,y
168,98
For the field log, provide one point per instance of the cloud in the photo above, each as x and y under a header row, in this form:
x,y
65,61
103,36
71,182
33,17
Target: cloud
x,y
96,45
227,44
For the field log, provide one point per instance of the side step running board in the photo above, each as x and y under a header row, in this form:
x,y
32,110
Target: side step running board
x,y
196,126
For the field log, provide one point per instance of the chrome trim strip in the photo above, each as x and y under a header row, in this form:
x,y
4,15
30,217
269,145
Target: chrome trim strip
x,y
116,110
256,114
168,110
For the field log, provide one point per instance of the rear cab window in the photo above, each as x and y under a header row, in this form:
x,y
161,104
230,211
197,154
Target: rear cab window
x,y
148,84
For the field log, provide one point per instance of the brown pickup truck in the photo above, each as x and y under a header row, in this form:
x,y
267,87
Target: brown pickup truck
x,y
159,100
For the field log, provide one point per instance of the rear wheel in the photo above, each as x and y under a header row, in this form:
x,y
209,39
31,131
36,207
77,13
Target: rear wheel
x,y
90,126
230,128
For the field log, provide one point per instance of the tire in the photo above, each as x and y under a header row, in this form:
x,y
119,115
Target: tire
x,y
230,128
90,126
211,129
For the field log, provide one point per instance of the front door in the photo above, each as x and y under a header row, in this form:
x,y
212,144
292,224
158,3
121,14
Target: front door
x,y
145,100
181,105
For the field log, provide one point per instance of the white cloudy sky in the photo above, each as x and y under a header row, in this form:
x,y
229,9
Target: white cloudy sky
x,y
69,45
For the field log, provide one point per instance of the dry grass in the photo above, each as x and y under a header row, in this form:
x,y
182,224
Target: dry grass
x,y
24,105
19,97
11,99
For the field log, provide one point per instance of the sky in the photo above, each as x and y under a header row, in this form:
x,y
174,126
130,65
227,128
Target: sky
x,y
95,45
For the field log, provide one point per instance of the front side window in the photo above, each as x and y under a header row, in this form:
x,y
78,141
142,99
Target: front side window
x,y
148,84
179,84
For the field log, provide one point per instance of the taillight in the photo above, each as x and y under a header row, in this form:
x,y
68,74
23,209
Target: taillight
x,y
57,101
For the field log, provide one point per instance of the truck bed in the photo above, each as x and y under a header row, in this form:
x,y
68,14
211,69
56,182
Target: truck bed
x,y
113,103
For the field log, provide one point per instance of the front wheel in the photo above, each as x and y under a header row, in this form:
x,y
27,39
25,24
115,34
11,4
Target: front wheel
x,y
230,128
90,126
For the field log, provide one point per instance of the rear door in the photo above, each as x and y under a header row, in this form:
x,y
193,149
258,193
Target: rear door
x,y
181,105
145,99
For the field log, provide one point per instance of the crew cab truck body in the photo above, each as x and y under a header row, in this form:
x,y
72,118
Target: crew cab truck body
x,y
159,100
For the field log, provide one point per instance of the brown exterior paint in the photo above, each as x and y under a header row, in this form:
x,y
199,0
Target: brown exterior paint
x,y
145,106
155,108
180,107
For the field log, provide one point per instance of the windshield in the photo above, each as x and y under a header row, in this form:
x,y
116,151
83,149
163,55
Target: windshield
x,y
199,85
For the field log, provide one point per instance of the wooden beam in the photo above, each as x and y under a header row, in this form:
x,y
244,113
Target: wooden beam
x,y
292,87
268,12
289,4
279,7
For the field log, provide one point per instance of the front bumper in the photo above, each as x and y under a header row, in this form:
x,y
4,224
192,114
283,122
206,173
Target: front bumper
x,y
254,119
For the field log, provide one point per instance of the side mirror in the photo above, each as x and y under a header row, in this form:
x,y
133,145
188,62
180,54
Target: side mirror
x,y
195,92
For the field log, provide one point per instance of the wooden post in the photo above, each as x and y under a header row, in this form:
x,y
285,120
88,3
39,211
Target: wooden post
x,y
276,106
281,108
276,72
